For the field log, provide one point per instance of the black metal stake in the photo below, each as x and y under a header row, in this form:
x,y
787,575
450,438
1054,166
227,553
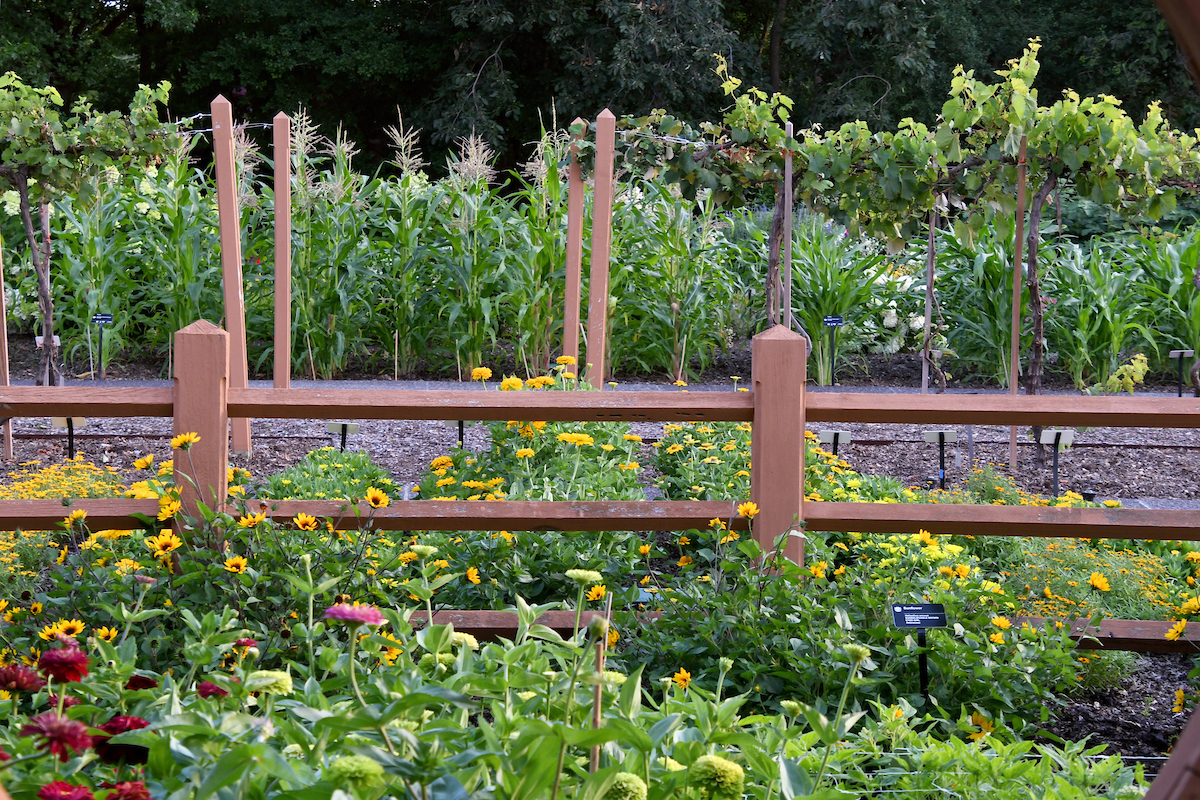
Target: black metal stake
x,y
70,438
942,459
345,427
461,433
1181,375
832,348
836,436
101,352
923,660
1057,436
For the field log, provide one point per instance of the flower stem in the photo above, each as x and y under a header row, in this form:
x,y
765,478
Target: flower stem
x,y
353,673
836,721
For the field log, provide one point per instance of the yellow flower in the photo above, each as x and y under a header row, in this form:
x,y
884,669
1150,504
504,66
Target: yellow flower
x,y
644,549
1176,630
682,679
480,374
1099,582
630,466
71,627
685,561
252,520
1178,701
1002,623
168,508
525,452
106,633
997,637
78,515
631,437
235,564
166,467
981,722
681,383
441,462
305,522
566,361
144,462
716,524
511,384
613,635
684,541
184,441
237,491
377,498
1112,503
569,375
595,593
747,510
473,575
164,544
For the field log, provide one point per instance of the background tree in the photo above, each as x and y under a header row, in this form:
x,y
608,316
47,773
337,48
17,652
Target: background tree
x,y
44,154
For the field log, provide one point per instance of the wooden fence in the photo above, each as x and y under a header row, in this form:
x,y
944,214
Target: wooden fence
x,y
202,401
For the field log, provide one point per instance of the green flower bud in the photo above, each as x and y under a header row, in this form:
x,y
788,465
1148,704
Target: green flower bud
x,y
598,629
626,786
269,681
717,778
354,773
584,576
459,639
857,653
424,550
791,708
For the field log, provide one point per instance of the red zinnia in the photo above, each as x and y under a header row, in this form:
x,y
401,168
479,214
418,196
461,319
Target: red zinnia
x,y
4,756
129,790
59,734
141,682
115,753
246,643
61,790
68,701
207,689
65,665
20,679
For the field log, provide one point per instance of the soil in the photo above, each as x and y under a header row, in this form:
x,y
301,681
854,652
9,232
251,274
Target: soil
x,y
1139,466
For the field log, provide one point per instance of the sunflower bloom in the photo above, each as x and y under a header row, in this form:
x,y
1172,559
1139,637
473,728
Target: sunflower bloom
x,y
682,678
1176,630
305,522
184,441
376,498
473,575
235,564
1099,582
747,510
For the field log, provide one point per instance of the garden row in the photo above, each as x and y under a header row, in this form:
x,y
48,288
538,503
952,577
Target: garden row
x,y
405,274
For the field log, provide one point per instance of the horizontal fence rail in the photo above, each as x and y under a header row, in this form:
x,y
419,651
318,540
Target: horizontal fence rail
x,y
476,405
82,401
1005,409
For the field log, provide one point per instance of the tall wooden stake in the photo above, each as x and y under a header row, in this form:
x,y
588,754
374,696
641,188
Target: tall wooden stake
x,y
930,256
575,193
8,431
200,400
786,264
602,204
231,258
282,130
1014,360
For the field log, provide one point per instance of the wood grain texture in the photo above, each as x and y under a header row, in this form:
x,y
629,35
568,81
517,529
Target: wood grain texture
x,y
201,381
102,513
777,441
1111,523
82,401
602,205
281,131
475,405
517,515
572,294
994,409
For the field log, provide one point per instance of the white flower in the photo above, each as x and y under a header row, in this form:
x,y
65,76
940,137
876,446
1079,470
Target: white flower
x,y
146,187
890,318
12,202
152,171
142,208
916,322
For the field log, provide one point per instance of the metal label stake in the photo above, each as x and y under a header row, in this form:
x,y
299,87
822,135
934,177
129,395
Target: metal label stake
x,y
1181,355
920,616
1059,439
833,438
102,320
942,438
833,322
343,428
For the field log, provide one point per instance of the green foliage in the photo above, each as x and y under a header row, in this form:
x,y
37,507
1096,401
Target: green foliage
x,y
327,474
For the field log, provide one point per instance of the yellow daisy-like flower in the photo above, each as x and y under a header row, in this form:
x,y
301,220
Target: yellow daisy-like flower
x,y
164,544
184,441
251,520
235,564
595,593
168,508
525,452
480,374
984,725
682,678
144,461
511,384
1099,582
1002,623
49,632
997,637
613,635
78,515
305,522
71,627
1176,630
540,382
565,361
106,633
441,462
747,510
684,561
237,491
644,549
473,575
376,498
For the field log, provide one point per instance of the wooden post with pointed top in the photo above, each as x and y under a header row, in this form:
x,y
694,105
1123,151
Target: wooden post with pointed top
x,y
282,131
602,205
779,372
575,194
786,264
231,257
1014,358
200,399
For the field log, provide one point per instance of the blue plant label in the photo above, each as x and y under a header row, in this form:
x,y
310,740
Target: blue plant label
x,y
102,319
834,320
919,615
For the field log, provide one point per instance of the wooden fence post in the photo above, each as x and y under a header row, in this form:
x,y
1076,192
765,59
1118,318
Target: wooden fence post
x,y
779,372
575,193
231,257
785,265
282,130
1014,358
8,431
602,205
200,397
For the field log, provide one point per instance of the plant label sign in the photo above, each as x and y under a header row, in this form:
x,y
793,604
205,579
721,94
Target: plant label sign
x,y
919,615
102,319
834,321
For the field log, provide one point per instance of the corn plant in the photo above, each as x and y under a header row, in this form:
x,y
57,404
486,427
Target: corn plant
x,y
1169,264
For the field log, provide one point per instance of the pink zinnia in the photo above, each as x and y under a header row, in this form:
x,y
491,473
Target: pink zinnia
x,y
65,665
246,643
20,679
129,790
58,734
357,614
68,701
61,790
207,689
140,682
114,753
